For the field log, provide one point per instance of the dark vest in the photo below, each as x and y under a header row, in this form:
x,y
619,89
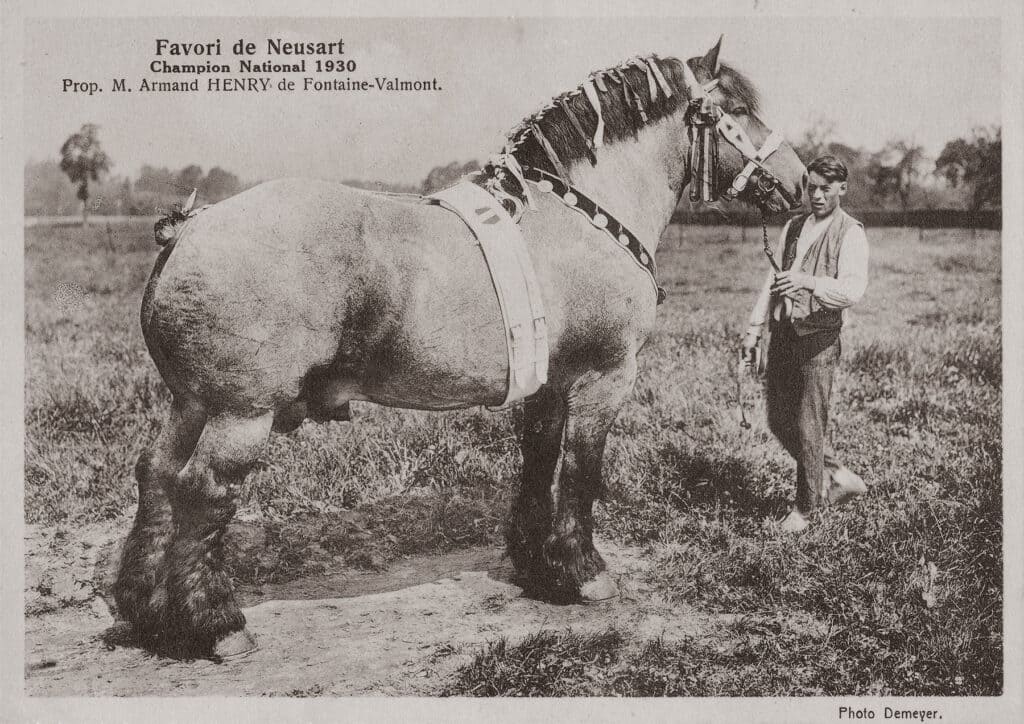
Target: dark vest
x,y
821,260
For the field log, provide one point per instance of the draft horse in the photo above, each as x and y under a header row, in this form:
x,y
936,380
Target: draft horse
x,y
287,301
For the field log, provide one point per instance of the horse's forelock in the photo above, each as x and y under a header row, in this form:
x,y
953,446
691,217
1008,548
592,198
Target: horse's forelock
x,y
738,88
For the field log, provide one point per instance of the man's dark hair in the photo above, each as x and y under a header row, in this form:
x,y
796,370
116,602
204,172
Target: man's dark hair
x,y
829,168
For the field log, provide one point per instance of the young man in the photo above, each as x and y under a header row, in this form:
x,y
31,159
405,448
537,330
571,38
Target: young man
x,y
824,261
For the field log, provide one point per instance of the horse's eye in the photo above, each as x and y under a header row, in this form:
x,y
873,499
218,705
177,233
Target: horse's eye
x,y
740,111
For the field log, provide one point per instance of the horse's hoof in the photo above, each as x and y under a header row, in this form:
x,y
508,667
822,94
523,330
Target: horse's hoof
x,y
235,644
602,588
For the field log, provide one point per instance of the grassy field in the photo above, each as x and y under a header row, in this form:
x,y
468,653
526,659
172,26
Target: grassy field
x,y
905,584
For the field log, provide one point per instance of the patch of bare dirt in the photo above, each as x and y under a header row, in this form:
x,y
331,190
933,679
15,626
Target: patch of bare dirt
x,y
333,631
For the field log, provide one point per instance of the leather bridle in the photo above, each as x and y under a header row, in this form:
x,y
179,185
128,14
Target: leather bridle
x,y
704,115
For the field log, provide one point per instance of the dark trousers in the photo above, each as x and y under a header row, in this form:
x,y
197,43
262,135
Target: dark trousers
x,y
800,370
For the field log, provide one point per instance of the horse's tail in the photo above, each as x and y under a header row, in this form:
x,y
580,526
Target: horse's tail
x,y
168,227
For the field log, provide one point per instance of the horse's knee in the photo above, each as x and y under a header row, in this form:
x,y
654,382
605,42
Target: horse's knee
x,y
201,496
151,480
207,487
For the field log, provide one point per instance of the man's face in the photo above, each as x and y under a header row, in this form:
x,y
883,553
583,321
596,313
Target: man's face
x,y
824,195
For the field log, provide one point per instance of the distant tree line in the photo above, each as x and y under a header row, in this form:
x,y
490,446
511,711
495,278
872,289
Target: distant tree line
x,y
966,175
49,193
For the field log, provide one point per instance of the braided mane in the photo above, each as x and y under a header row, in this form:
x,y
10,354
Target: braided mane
x,y
621,119
621,113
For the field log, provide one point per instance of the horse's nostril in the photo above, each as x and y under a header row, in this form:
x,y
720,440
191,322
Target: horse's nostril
x,y
804,180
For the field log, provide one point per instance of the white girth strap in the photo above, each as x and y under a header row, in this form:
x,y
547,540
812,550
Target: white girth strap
x,y
515,283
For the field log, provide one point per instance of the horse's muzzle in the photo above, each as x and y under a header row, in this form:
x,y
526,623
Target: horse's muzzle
x,y
766,185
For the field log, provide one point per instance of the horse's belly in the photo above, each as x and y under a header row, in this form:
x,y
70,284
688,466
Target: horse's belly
x,y
448,348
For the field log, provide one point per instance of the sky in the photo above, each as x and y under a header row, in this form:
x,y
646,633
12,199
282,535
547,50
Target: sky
x,y
927,80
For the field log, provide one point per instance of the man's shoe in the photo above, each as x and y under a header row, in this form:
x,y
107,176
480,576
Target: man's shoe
x,y
795,522
844,486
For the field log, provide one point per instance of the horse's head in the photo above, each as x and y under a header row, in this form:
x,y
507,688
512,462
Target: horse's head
x,y
754,164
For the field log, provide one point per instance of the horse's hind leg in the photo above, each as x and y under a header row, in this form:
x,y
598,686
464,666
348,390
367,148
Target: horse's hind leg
x,y
200,600
592,403
138,589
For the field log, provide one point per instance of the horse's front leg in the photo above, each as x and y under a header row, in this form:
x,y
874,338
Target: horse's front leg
x,y
554,513
592,403
543,425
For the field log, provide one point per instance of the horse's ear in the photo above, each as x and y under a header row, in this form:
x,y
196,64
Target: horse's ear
x,y
710,59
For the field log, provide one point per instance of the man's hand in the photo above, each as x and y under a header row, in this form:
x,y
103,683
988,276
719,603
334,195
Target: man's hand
x,y
789,282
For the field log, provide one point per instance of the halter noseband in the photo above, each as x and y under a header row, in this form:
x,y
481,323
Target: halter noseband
x,y
707,120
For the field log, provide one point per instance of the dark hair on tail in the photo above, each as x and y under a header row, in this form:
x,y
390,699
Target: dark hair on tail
x,y
829,168
169,225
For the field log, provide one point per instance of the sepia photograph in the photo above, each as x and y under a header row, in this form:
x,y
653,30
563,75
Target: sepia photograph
x,y
463,355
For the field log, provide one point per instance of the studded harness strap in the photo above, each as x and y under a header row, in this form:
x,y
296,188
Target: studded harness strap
x,y
599,217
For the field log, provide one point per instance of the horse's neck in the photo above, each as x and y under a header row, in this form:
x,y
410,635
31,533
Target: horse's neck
x,y
639,182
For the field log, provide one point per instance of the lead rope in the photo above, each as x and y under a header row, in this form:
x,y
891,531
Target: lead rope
x,y
764,236
743,364
740,371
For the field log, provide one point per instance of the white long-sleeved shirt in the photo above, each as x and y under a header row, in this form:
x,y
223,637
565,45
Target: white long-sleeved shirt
x,y
843,291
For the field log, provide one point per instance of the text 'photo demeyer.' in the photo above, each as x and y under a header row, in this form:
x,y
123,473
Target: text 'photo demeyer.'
x,y
289,300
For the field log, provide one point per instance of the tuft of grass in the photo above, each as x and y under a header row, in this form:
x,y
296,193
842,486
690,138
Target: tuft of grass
x,y
546,663
880,358
975,356
757,657
967,262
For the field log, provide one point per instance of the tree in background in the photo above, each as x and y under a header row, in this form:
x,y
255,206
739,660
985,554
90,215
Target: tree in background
x,y
156,180
975,162
217,185
894,171
816,140
83,160
441,177
189,178
155,190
